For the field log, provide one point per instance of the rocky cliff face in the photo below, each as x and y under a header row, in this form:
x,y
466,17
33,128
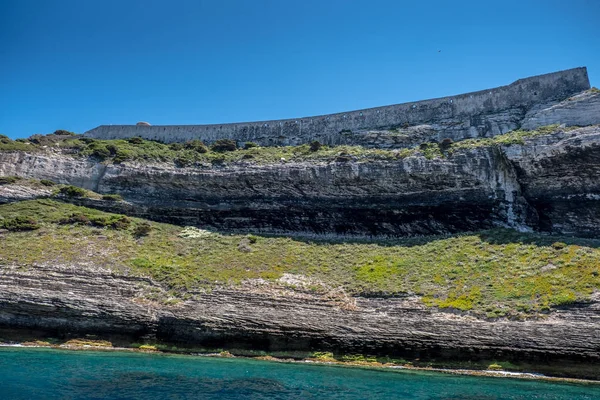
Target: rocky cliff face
x,y
546,183
530,186
77,300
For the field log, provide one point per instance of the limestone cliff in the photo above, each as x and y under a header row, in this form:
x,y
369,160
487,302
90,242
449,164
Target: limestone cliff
x,y
549,183
544,182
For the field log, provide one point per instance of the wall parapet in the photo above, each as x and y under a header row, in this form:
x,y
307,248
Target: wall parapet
x,y
477,114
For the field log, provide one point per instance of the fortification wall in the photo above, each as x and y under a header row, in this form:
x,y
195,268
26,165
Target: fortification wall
x,y
478,114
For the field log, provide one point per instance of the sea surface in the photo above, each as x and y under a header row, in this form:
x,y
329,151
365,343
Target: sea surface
x,y
27,373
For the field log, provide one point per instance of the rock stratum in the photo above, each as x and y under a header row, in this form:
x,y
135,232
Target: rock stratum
x,y
548,184
81,300
543,182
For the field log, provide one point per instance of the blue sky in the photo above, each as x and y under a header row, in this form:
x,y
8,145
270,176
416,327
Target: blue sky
x,y
76,64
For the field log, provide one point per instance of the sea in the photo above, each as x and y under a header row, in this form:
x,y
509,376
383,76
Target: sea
x,y
41,373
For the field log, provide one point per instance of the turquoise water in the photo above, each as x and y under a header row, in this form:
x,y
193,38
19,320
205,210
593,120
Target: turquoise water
x,y
54,374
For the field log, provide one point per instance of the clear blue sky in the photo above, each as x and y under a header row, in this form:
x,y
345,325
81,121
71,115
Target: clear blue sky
x,y
76,64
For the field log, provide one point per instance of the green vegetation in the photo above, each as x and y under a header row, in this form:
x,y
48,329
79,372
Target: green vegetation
x,y
20,223
7,144
494,273
112,197
594,90
8,180
62,132
142,229
514,137
47,182
315,146
224,151
72,191
223,145
221,152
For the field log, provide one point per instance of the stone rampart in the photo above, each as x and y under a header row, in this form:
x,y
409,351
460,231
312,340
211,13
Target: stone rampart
x,y
478,114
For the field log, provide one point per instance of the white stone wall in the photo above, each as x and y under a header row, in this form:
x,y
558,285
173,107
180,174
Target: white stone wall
x,y
473,114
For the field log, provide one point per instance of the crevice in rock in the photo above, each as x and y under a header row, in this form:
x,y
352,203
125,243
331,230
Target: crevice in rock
x,y
518,213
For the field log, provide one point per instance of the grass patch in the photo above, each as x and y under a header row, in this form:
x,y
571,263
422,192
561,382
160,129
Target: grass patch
x,y
514,137
496,273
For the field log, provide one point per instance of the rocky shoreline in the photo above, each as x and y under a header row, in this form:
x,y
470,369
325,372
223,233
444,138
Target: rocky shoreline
x,y
490,373
77,300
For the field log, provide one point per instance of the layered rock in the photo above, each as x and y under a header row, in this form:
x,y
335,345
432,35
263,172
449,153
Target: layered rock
x,y
525,186
547,183
77,300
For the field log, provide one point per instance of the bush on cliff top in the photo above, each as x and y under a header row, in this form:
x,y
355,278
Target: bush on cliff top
x,y
494,273
7,144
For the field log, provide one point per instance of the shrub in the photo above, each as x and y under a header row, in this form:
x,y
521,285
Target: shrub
x,y
112,148
247,156
446,143
142,229
118,222
315,146
343,158
183,161
218,160
252,239
249,145
495,367
196,145
72,191
20,223
62,132
100,152
223,145
558,245
112,197
176,146
75,218
35,139
47,182
8,180
136,140
122,155
121,223
5,139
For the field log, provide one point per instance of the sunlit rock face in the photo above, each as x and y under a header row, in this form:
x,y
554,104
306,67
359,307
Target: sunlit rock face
x,y
530,186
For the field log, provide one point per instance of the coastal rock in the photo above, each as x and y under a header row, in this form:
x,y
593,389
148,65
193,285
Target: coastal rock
x,y
83,299
524,186
580,110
